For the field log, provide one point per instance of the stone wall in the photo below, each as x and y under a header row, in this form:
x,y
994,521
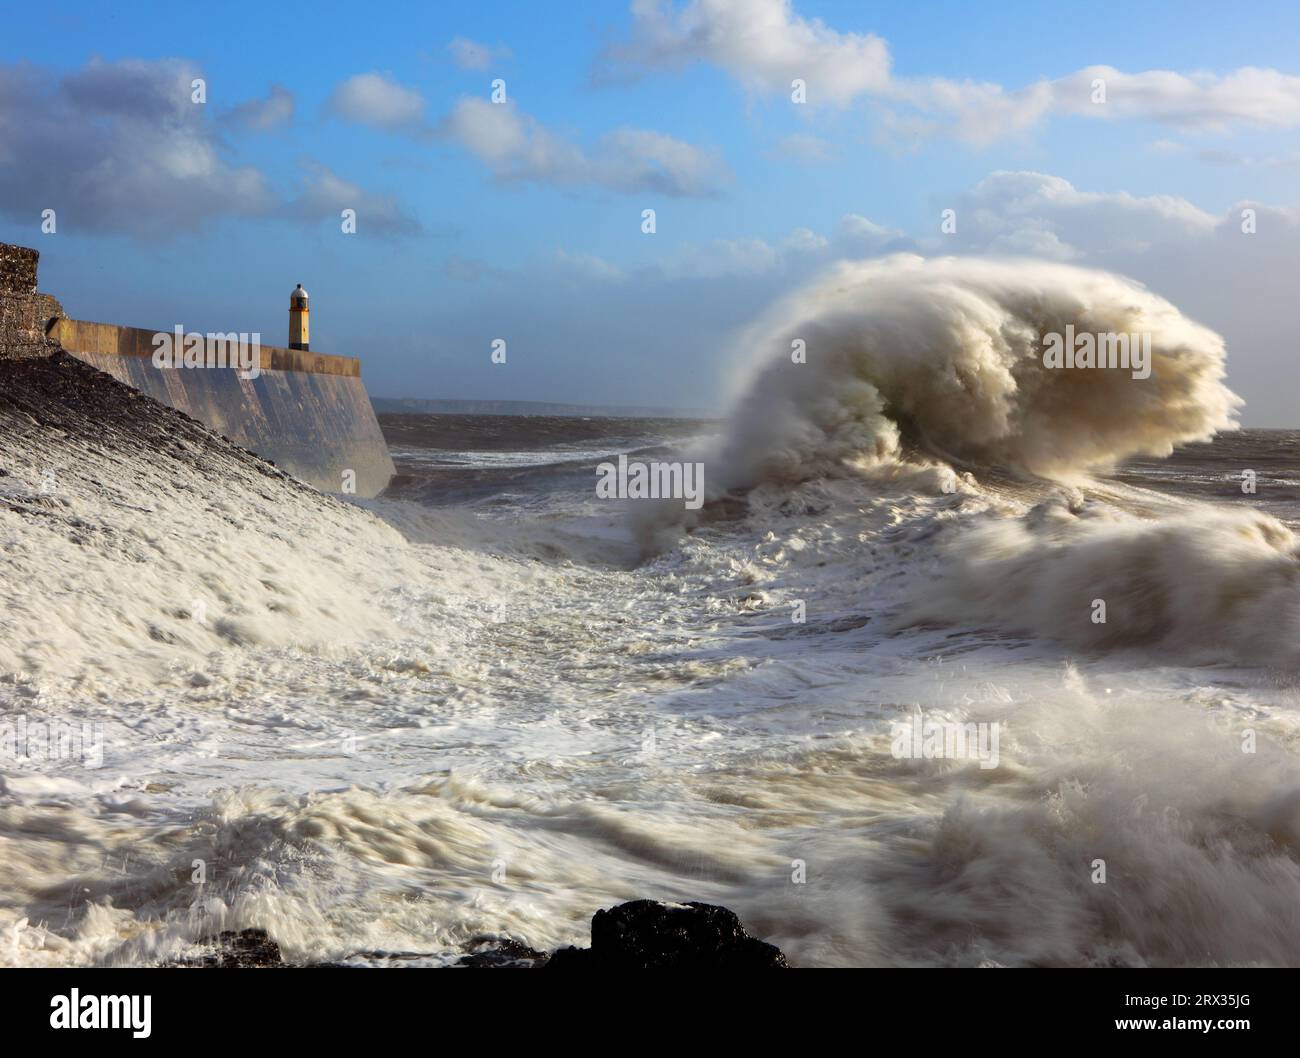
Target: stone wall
x,y
25,316
17,269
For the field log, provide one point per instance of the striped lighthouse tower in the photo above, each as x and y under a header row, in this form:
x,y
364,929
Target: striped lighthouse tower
x,y
299,328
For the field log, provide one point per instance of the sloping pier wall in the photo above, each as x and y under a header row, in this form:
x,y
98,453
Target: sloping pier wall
x,y
306,412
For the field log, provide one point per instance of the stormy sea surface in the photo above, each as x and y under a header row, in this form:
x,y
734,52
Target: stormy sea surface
x,y
488,703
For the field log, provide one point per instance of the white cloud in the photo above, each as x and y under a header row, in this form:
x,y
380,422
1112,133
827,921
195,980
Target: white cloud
x,y
261,115
765,44
1046,216
976,112
637,160
762,43
857,235
1031,239
1202,101
118,147
1289,160
515,146
1241,285
377,100
326,194
804,240
121,147
471,55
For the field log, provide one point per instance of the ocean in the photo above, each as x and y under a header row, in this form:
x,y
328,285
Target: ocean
x,y
731,751
913,688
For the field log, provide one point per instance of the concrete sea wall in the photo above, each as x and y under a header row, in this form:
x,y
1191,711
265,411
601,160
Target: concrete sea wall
x,y
306,412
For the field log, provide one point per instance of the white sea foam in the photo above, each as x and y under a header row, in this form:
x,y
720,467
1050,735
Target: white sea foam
x,y
1205,585
403,728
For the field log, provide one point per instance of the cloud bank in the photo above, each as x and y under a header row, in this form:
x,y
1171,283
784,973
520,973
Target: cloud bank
x,y
123,147
764,45
517,147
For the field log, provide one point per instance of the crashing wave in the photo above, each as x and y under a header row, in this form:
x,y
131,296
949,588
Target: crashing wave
x,y
946,355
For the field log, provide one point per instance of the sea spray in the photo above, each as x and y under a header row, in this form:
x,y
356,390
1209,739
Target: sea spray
x,y
947,353
1205,584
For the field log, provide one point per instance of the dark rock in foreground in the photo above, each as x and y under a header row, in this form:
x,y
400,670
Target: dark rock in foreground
x,y
507,954
640,935
245,949
648,935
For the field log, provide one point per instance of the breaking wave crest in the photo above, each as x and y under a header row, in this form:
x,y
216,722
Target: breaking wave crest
x,y
945,355
919,370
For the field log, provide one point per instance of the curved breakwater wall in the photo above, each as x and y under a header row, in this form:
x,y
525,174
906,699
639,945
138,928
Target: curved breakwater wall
x,y
306,412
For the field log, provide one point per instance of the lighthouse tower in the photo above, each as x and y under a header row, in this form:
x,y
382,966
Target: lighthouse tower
x,y
299,330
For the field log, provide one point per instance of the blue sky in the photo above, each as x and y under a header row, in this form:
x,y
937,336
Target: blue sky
x,y
208,215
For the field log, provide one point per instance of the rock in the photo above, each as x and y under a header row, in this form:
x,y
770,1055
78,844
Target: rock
x,y
646,935
640,935
247,948
506,954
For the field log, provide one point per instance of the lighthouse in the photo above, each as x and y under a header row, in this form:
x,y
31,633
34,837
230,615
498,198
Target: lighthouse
x,y
299,336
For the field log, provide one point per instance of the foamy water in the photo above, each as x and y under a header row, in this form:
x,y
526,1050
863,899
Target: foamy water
x,y
399,728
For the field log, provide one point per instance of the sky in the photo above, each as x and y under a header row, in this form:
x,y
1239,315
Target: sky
x,y
522,219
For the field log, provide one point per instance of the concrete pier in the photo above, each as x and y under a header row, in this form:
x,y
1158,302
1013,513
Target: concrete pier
x,y
306,412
